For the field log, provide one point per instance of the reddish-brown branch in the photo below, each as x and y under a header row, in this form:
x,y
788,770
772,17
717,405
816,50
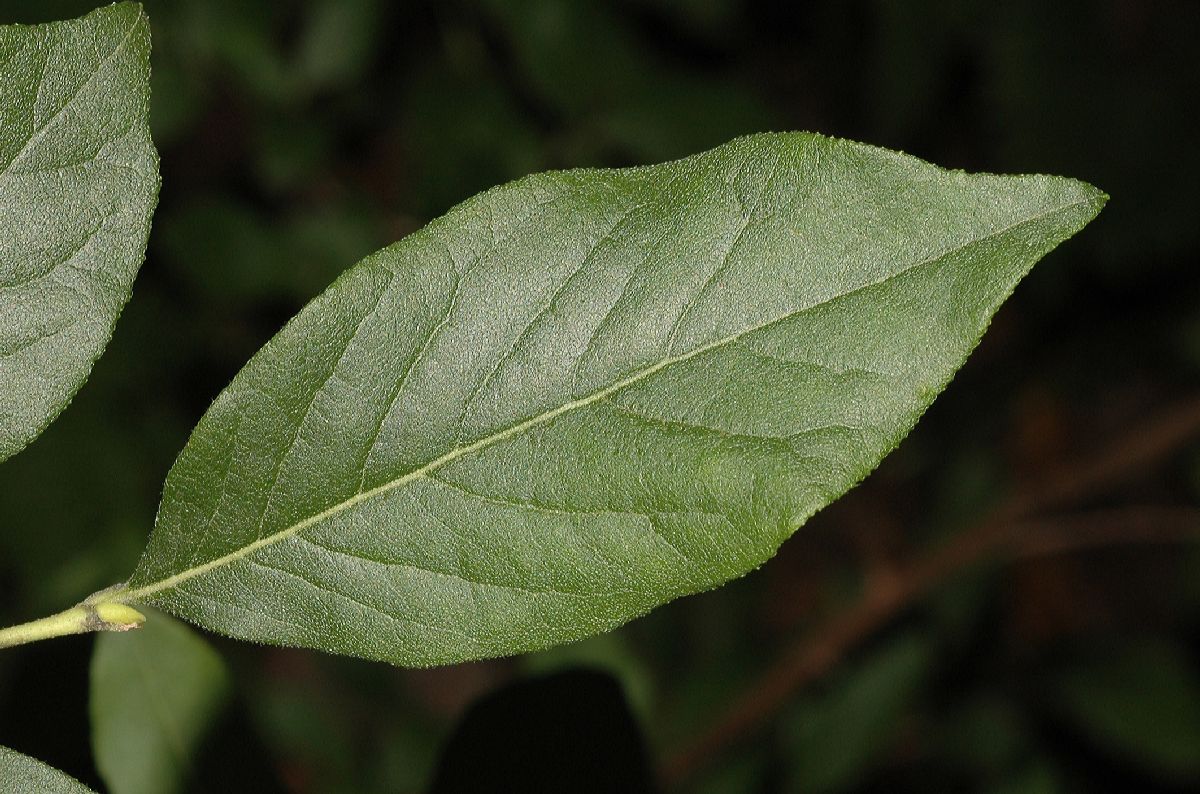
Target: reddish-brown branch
x,y
1123,526
1121,457
1004,529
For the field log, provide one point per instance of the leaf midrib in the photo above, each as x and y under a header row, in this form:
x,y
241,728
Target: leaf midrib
x,y
148,590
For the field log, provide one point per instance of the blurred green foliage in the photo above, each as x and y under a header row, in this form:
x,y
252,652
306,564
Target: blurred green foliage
x,y
833,738
1141,699
298,136
152,699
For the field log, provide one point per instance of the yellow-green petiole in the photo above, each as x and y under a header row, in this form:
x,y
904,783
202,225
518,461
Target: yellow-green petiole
x,y
93,614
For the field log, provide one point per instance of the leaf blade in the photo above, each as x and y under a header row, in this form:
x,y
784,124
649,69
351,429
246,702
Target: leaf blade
x,y
19,772
153,694
78,183
547,412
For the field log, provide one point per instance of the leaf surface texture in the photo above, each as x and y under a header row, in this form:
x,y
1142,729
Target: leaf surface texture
x,y
19,772
78,183
583,394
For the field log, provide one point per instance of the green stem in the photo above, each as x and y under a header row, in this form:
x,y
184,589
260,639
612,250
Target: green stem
x,y
77,620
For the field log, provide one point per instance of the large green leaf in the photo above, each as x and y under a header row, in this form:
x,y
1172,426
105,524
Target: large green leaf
x,y
581,395
78,183
154,693
19,773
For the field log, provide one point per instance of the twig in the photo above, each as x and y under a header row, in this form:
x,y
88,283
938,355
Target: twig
x,y
887,596
1122,526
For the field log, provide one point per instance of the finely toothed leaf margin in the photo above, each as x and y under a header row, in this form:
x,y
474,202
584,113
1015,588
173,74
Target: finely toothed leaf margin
x,y
78,184
21,773
581,395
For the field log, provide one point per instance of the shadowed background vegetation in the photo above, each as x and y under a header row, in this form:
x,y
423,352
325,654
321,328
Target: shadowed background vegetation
x,y
1054,648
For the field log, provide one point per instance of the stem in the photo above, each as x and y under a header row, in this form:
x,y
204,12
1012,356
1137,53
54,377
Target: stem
x,y
816,654
78,619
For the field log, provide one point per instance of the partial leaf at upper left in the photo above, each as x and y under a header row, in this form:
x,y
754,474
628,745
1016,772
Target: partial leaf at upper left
x,y
78,185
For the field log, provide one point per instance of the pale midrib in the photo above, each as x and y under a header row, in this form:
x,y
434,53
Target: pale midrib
x,y
137,594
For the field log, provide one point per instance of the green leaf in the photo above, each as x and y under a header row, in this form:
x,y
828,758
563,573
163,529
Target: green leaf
x,y
1141,700
154,694
78,184
835,738
581,395
21,773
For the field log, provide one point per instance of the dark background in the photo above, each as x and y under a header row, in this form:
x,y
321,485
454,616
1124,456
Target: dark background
x,y
1053,648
